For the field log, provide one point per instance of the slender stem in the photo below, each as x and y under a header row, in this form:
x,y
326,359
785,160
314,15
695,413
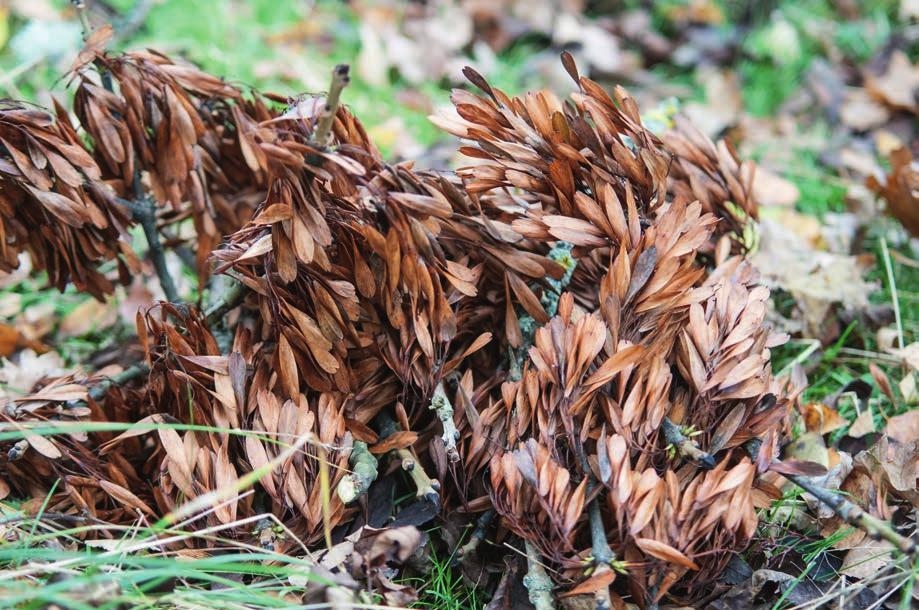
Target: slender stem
x,y
603,555
133,20
223,293
848,511
340,80
183,252
83,14
233,296
893,292
87,27
478,535
426,487
131,373
147,220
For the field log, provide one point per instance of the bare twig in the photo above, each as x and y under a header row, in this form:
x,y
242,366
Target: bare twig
x,y
478,535
133,21
233,296
849,512
83,14
221,297
340,80
184,253
131,373
427,488
603,555
537,580
143,207
147,220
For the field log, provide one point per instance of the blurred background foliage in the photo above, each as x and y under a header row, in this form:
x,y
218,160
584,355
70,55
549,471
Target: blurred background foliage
x,y
409,54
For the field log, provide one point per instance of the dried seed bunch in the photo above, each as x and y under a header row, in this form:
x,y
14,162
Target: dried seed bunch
x,y
645,341
574,161
167,131
559,332
194,383
53,204
157,131
362,280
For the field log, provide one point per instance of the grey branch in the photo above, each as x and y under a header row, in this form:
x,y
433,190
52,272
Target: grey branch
x,y
849,512
537,581
131,373
603,555
426,487
685,446
143,210
440,404
478,535
83,14
363,472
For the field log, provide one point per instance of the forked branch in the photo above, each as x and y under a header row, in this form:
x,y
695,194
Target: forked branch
x,y
849,512
855,516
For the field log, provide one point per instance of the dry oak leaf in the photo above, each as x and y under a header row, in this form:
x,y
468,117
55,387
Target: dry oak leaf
x,y
900,189
863,424
909,355
11,340
867,559
769,188
816,279
898,85
822,419
904,428
861,112
895,463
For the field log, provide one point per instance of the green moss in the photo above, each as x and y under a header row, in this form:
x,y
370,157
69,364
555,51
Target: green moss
x,y
821,191
560,253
